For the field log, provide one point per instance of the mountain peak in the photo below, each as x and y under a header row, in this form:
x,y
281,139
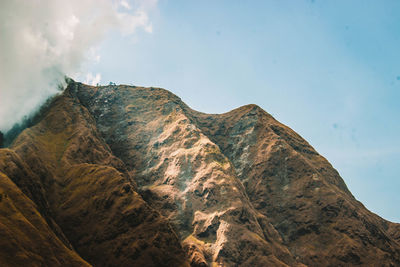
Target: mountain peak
x,y
127,176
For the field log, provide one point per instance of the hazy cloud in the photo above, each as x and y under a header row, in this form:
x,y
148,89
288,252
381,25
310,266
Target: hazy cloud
x,y
41,40
125,4
93,79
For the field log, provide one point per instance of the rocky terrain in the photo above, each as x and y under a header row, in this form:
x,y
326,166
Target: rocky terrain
x,y
131,176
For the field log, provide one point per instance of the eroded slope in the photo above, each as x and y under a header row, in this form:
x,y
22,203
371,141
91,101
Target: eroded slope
x,y
307,201
91,195
184,175
25,236
202,170
131,176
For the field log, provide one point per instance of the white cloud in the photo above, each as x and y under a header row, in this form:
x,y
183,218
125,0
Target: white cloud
x,y
93,54
125,4
93,80
41,41
149,28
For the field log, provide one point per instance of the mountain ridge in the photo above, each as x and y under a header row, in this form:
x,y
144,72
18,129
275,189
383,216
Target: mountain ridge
x,y
173,186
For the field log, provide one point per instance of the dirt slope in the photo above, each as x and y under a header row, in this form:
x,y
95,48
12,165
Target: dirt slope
x,y
131,176
26,239
91,196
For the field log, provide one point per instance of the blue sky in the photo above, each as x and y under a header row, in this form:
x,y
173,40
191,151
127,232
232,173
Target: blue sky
x,y
330,70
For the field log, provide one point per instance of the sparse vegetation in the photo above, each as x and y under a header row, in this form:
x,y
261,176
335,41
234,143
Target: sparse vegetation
x,y
1,139
28,121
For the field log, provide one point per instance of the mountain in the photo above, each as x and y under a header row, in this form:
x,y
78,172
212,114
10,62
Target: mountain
x,y
131,176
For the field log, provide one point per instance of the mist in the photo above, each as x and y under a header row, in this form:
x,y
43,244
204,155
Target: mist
x,y
42,41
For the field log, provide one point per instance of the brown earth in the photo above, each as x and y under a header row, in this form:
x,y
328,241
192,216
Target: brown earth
x,y
131,176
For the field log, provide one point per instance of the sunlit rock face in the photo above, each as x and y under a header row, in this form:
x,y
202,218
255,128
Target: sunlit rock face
x,y
131,176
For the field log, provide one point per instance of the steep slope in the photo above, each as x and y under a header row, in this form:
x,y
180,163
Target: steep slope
x,y
31,185
305,198
240,188
92,197
131,176
25,235
185,176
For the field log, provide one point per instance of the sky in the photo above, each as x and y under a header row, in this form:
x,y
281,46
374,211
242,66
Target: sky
x,y
328,69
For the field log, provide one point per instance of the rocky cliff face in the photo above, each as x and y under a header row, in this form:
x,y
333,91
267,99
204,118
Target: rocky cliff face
x,y
131,176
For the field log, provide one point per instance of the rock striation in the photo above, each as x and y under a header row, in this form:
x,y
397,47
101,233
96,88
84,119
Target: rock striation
x,y
131,176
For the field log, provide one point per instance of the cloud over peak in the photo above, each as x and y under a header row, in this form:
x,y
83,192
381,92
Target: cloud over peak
x,y
43,40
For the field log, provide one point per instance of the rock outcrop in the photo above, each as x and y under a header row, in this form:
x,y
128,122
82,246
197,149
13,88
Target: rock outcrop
x,y
131,176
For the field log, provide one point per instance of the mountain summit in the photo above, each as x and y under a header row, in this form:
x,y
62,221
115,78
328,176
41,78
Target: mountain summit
x,y
131,176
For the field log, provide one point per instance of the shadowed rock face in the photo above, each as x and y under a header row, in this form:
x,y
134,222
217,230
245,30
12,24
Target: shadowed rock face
x,y
131,176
